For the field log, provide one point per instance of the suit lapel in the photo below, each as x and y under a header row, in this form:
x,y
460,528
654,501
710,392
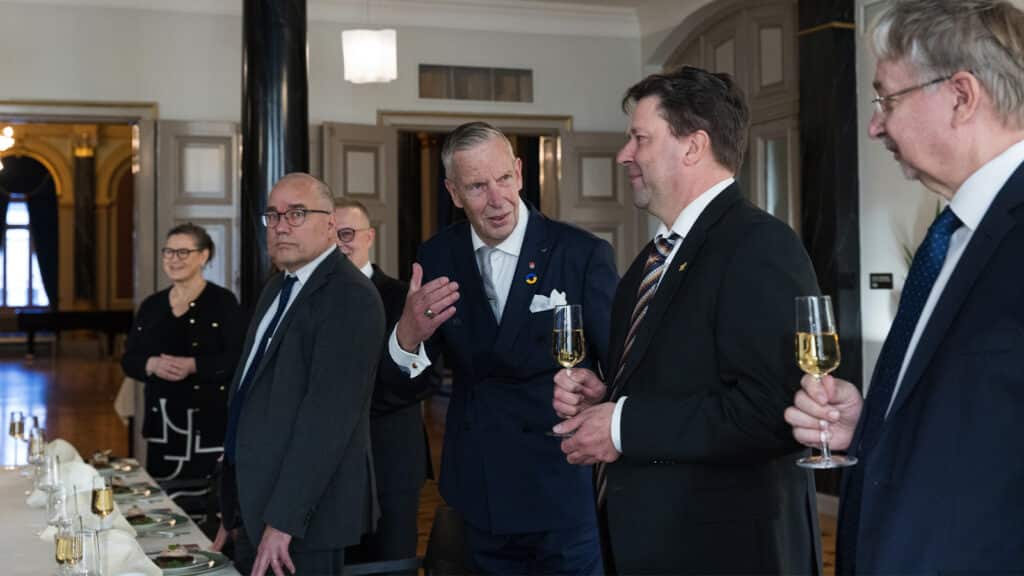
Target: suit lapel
x,y
996,223
537,250
266,299
317,279
673,276
473,305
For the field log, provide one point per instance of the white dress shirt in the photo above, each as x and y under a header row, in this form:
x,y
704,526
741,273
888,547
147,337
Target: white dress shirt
x,y
681,227
970,203
302,276
367,270
504,259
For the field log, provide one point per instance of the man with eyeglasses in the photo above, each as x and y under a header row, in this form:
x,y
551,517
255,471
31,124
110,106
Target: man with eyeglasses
x,y
401,458
298,484
483,292
937,488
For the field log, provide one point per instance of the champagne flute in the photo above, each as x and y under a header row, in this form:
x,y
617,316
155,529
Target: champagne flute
x,y
102,499
568,344
817,354
68,545
14,431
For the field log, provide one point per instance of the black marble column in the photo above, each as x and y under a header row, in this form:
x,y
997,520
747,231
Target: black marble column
x,y
830,203
84,166
275,121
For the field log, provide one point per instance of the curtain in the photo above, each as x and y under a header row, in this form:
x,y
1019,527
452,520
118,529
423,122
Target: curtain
x,y
5,196
42,218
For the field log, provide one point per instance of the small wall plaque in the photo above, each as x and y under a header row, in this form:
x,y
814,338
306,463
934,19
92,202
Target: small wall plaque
x,y
881,281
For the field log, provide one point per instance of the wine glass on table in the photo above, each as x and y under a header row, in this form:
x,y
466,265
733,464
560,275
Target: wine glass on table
x,y
102,499
68,544
568,344
817,354
16,430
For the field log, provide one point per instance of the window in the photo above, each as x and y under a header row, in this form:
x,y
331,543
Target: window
x,y
21,284
471,83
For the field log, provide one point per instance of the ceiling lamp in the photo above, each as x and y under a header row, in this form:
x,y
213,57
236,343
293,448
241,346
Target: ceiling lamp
x,y
6,139
370,55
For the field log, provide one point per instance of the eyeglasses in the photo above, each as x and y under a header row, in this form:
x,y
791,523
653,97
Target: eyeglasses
x,y
179,253
347,234
293,216
884,104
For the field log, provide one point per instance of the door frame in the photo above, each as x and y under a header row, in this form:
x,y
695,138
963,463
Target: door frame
x,y
142,116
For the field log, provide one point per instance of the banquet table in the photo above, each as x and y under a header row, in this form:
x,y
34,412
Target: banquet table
x,y
23,553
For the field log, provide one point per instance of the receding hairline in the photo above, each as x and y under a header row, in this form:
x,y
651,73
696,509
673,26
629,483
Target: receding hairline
x,y
306,182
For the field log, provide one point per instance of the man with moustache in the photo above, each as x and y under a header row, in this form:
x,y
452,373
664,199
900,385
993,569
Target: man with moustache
x,y
937,485
487,304
694,465
401,457
298,485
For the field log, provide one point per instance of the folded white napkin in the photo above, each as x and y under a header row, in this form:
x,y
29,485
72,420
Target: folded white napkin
x,y
73,474
63,450
123,555
540,303
37,499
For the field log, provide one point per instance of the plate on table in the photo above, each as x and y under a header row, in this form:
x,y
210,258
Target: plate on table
x,y
156,520
129,492
117,466
198,562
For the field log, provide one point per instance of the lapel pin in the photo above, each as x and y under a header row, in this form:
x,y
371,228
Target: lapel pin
x,y
682,266
532,265
531,278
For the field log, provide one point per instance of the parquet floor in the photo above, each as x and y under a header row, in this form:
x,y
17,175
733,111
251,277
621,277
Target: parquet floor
x,y
73,397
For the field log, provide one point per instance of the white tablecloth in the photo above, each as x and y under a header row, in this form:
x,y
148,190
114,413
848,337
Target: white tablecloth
x,y
24,554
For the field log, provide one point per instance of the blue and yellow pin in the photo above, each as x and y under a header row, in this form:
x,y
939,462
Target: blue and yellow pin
x,y
531,278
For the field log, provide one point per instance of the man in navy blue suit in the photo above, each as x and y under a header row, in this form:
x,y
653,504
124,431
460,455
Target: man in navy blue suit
x,y
938,485
486,304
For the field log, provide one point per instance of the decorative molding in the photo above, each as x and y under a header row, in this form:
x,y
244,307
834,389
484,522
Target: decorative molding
x,y
514,16
834,25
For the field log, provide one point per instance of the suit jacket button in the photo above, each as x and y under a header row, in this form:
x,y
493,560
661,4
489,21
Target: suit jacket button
x,y
195,387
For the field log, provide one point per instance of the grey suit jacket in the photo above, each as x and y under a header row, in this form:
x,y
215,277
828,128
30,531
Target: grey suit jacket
x,y
303,461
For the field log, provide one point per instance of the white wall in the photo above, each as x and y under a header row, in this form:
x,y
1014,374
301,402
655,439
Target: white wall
x,y
894,212
190,64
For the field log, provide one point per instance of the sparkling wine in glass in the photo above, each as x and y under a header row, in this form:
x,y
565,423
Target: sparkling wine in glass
x,y
817,354
68,545
102,498
14,432
568,344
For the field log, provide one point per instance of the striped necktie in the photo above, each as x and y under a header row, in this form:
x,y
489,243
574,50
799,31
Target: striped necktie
x,y
654,268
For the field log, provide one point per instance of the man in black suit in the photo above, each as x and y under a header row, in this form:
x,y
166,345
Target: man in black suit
x,y
937,488
297,448
492,282
401,457
695,467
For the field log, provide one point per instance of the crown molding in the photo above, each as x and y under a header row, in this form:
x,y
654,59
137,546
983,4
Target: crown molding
x,y
515,16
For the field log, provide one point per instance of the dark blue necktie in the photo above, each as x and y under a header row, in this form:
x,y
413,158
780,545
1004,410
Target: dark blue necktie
x,y
923,271
238,399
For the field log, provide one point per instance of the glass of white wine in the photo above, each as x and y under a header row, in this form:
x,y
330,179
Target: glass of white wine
x,y
102,499
68,552
568,344
16,430
817,354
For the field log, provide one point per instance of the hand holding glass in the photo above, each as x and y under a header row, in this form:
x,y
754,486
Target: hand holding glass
x,y
817,354
568,344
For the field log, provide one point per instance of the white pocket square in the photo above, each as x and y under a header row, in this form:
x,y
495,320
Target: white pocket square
x,y
541,303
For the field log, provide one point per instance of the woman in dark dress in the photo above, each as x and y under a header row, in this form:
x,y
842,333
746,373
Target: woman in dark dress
x,y
184,345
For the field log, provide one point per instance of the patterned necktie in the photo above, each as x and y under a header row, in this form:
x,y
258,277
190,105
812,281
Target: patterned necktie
x,y
238,399
923,271
654,268
484,259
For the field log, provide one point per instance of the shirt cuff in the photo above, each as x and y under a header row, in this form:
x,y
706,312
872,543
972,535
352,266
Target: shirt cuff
x,y
411,364
616,424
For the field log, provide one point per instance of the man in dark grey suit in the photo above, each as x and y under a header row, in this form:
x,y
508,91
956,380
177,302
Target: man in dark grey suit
x,y
297,448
